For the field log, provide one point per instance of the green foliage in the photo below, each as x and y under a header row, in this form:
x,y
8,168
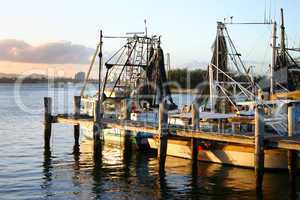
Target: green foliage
x,y
190,79
187,79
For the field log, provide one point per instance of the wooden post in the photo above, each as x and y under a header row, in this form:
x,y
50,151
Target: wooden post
x,y
125,109
233,127
127,143
219,125
47,121
194,141
163,135
77,102
195,116
259,146
97,131
126,116
98,114
292,154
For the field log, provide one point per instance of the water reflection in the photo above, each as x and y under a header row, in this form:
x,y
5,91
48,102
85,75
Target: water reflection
x,y
76,154
47,171
127,156
123,172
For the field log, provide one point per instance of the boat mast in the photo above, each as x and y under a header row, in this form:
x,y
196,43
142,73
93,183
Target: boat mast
x,y
217,40
214,73
211,88
147,43
274,48
100,65
168,64
282,41
211,72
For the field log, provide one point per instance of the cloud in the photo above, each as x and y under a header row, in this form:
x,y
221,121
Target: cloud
x,y
49,53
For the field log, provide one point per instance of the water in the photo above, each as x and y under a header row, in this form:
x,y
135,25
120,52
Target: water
x,y
27,172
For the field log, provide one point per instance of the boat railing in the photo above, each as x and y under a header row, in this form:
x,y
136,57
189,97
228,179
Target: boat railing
x,y
88,105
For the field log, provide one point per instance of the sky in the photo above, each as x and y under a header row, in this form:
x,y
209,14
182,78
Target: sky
x,y
61,35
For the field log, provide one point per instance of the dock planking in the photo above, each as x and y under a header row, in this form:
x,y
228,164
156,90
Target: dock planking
x,y
279,142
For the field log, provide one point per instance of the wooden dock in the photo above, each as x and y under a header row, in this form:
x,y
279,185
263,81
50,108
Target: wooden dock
x,y
280,142
259,141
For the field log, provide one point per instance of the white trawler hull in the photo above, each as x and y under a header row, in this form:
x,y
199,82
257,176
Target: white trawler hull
x,y
116,136
231,154
222,153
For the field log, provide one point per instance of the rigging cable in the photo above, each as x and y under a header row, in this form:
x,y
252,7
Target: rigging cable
x,y
89,71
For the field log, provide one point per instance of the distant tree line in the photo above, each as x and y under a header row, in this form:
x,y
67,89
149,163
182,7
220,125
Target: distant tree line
x,y
189,79
40,80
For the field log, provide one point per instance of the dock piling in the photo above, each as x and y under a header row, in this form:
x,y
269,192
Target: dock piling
x,y
77,102
292,154
163,135
126,116
194,149
259,146
194,141
97,131
195,116
47,121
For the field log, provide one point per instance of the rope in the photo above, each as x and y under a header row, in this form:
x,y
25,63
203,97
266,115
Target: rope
x,y
239,85
224,92
89,72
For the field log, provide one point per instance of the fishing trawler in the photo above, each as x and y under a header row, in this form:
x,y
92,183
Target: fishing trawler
x,y
134,73
227,106
285,74
230,105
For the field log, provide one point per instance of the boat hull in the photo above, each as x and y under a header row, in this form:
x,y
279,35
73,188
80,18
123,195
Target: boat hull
x,y
230,154
222,153
116,136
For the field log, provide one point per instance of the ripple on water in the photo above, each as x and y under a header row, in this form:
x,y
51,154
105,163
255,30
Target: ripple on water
x,y
29,172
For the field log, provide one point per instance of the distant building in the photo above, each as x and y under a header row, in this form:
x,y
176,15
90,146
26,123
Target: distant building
x,y
79,76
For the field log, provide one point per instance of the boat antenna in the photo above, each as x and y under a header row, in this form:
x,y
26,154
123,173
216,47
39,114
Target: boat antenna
x,y
265,14
270,10
146,31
